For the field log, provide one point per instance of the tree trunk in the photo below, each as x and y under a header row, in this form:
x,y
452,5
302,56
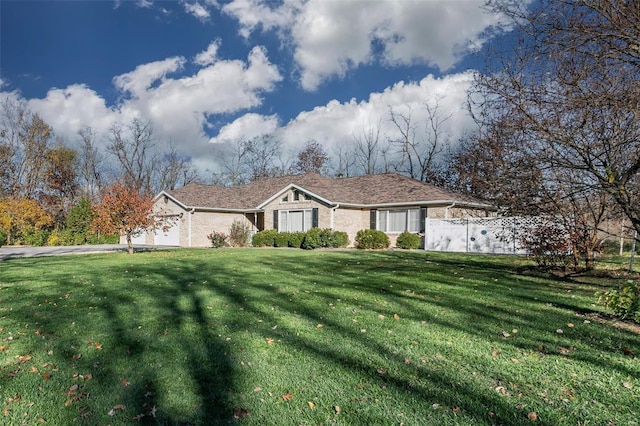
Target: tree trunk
x,y
129,243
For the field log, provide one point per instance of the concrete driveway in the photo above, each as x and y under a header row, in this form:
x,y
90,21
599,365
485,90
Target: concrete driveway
x,y
13,252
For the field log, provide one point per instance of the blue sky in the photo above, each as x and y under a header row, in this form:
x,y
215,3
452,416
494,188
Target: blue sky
x,y
209,72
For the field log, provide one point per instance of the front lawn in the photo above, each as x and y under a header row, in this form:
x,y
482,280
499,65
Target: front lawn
x,y
291,337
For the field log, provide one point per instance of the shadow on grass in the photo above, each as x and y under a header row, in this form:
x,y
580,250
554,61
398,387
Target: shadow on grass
x,y
147,353
163,352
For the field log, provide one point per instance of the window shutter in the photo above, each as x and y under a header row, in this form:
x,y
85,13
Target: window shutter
x,y
275,220
314,218
372,218
423,219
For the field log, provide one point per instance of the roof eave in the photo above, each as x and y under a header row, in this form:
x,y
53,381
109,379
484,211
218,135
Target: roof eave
x,y
440,203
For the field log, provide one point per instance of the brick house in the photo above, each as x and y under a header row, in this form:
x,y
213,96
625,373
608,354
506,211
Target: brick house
x,y
389,202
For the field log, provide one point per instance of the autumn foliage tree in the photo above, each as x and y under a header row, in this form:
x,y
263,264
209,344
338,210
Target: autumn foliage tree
x,y
19,217
127,212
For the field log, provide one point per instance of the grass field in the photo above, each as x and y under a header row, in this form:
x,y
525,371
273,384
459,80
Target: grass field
x,y
291,337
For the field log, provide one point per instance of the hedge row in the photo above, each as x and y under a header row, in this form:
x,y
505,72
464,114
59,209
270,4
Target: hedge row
x,y
312,239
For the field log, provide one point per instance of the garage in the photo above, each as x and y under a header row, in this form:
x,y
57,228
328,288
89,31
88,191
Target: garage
x,y
167,237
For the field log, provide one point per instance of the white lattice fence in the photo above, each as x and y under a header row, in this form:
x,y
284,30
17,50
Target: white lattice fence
x,y
499,235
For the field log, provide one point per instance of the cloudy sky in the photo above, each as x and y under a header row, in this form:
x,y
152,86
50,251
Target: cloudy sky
x,y
206,72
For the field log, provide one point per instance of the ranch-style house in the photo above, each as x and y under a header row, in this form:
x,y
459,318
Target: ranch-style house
x,y
388,202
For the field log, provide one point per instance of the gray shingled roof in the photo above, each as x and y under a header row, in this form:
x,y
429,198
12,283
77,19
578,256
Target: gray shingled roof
x,y
359,190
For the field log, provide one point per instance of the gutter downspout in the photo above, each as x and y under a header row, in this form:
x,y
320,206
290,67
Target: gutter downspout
x,y
446,210
333,210
191,212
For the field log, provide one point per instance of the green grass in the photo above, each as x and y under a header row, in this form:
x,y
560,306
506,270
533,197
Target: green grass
x,y
294,337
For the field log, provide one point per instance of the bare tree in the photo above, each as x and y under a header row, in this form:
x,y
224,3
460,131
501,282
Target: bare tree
x,y
24,139
175,170
367,149
420,155
572,86
133,147
344,163
90,164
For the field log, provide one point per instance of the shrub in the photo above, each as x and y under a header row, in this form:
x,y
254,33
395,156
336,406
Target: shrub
x,y
372,239
296,239
218,239
35,238
239,234
408,241
281,239
548,243
340,239
98,238
624,302
3,238
312,239
264,238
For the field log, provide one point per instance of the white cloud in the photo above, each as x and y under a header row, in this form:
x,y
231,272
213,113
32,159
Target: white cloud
x,y
72,108
197,9
179,108
332,37
209,56
256,13
337,123
247,127
144,4
139,80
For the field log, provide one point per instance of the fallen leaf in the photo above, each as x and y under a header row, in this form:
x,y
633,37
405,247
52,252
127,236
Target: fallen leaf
x,y
570,325
319,326
46,376
565,351
515,360
119,407
13,399
336,409
495,352
138,417
505,334
6,411
98,345
456,409
239,413
72,390
381,317
287,396
269,340
3,348
559,331
76,357
532,416
396,316
24,358
627,385
311,405
257,389
34,369
125,382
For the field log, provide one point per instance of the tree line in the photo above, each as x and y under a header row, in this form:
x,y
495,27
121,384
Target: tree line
x,y
557,134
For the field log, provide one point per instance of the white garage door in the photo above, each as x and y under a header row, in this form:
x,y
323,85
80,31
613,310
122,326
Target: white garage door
x,y
170,237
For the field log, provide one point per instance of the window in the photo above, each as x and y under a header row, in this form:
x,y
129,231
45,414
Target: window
x,y
297,196
295,220
399,220
285,199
